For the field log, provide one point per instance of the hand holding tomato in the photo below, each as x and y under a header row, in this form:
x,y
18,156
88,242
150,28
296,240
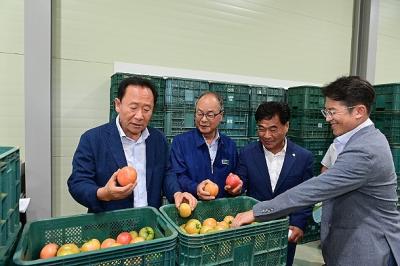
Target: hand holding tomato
x,y
180,197
207,190
113,192
233,184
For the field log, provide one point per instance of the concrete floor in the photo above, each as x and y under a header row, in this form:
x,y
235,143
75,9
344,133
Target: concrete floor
x,y
308,254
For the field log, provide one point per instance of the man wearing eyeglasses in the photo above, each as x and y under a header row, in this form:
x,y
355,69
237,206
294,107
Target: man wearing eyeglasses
x,y
363,223
204,155
274,164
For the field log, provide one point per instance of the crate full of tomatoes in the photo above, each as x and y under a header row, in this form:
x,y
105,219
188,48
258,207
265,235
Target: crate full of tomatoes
x,y
139,236
206,238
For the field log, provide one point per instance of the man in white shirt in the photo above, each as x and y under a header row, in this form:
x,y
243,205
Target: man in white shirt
x,y
274,164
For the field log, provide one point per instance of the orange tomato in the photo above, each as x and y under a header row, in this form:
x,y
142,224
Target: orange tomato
x,y
127,175
211,188
211,222
49,251
185,210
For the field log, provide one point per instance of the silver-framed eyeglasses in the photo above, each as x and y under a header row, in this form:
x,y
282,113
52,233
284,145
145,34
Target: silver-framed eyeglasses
x,y
326,112
209,115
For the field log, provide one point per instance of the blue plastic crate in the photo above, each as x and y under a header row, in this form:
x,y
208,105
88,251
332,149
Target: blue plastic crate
x,y
10,179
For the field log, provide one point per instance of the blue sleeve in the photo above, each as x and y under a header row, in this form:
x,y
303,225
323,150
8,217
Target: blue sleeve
x,y
179,169
241,170
299,218
171,184
82,182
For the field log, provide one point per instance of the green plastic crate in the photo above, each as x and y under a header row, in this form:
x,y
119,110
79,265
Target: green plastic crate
x,y
309,124
235,96
7,250
256,244
10,187
181,93
305,98
80,228
156,121
396,158
241,142
159,83
235,123
260,94
387,97
177,121
389,124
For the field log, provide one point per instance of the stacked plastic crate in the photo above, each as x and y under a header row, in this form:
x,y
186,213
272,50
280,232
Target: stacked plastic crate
x,y
258,95
309,129
235,123
180,99
157,120
10,190
386,116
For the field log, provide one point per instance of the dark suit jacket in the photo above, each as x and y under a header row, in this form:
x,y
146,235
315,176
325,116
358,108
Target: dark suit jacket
x,y
297,167
100,153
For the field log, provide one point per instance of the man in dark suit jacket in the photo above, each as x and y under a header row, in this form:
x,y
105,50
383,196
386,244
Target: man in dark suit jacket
x,y
127,140
274,164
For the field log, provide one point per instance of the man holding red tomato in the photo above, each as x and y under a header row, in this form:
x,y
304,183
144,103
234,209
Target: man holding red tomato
x,y
202,158
126,140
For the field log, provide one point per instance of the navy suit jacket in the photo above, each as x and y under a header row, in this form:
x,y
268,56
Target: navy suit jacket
x,y
297,167
100,153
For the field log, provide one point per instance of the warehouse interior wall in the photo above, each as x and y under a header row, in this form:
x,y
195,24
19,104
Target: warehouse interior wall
x,y
388,47
305,41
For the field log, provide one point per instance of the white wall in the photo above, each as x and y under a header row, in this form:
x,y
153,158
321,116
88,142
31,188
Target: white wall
x,y
12,74
388,48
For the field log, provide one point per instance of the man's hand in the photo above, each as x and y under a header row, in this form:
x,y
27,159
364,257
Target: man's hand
x,y
234,191
113,192
201,193
297,234
180,197
243,218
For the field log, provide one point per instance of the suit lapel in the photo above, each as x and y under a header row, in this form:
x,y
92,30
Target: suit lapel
x,y
261,165
290,158
115,145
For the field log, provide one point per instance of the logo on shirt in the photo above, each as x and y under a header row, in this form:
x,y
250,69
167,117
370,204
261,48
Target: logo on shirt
x,y
225,161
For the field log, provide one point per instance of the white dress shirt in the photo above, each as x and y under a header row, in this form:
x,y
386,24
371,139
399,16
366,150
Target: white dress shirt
x,y
135,154
274,164
213,148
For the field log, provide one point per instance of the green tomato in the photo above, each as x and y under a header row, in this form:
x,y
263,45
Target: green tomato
x,y
147,233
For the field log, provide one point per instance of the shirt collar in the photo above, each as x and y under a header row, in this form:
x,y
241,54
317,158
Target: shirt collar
x,y
281,152
214,141
145,133
343,139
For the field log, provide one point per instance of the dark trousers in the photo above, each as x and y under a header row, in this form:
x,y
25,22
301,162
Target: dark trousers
x,y
290,253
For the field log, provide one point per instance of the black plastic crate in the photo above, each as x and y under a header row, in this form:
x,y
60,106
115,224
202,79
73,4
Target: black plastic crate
x,y
183,93
235,96
260,94
306,98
